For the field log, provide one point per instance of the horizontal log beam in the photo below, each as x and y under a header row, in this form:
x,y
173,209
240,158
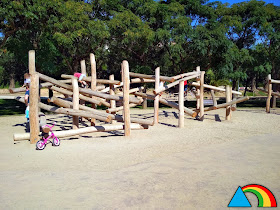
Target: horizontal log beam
x,y
92,129
120,108
219,106
145,76
141,80
166,87
214,88
168,103
42,85
180,76
67,111
275,81
82,97
272,93
88,91
88,79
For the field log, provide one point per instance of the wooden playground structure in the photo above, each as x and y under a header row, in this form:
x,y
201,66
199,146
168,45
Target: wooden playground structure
x,y
98,94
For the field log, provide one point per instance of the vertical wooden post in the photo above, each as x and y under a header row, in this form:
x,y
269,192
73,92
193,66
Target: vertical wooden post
x,y
33,100
181,105
145,101
197,89
156,101
34,109
201,99
230,99
228,110
234,106
75,102
83,67
112,92
126,111
93,80
269,87
83,71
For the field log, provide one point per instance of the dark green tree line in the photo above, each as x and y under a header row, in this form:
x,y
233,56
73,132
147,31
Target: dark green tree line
x,y
239,43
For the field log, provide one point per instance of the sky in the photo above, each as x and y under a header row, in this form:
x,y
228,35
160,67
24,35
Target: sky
x,y
275,2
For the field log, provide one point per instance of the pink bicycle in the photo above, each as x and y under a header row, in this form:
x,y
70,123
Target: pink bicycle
x,y
47,131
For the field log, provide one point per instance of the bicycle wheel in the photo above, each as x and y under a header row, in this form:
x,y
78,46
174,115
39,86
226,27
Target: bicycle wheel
x,y
56,142
40,145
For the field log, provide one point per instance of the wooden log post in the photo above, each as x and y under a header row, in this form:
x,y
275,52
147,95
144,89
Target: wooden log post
x,y
269,87
33,100
83,71
93,81
197,90
228,110
112,92
181,104
83,67
156,101
145,101
126,112
201,99
234,106
75,102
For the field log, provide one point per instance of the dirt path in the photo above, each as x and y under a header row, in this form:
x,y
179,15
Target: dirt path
x,y
164,167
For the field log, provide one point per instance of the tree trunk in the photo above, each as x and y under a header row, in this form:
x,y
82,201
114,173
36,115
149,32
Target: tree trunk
x,y
12,81
253,84
246,87
234,85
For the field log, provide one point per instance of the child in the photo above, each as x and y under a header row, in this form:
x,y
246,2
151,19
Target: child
x,y
185,87
26,98
26,79
80,77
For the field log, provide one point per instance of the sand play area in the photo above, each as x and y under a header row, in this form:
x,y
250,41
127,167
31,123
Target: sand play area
x,y
164,167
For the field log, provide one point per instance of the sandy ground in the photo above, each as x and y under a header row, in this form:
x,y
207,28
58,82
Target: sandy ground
x,y
164,167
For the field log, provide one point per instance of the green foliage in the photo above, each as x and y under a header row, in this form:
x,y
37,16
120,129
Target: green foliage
x,y
231,43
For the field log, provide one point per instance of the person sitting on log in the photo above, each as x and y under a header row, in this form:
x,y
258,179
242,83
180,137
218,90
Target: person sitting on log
x,y
80,77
